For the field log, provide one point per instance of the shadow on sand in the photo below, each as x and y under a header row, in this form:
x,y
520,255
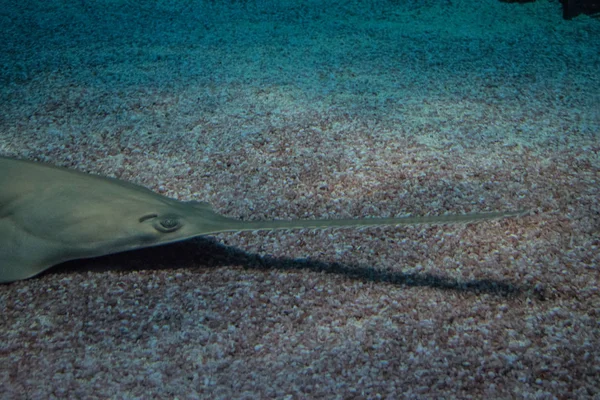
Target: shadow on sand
x,y
207,252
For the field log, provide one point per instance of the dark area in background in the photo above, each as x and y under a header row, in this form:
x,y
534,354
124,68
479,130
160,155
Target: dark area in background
x,y
572,8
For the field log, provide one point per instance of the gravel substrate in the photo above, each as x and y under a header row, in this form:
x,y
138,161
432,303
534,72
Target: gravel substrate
x,y
282,109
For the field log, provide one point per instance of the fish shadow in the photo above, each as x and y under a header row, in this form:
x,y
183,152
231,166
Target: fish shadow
x,y
207,252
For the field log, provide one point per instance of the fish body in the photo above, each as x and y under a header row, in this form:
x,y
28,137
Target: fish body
x,y
49,215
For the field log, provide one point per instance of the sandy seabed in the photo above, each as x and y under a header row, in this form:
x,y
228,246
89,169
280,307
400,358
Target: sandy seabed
x,y
281,109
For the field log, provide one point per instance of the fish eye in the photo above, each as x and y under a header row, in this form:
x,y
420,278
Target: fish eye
x,y
168,223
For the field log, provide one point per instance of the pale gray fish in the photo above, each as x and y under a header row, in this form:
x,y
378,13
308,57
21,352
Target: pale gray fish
x,y
49,215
